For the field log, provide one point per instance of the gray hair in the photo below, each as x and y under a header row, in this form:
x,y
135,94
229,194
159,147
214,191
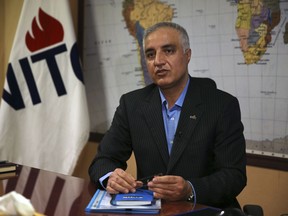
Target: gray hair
x,y
183,33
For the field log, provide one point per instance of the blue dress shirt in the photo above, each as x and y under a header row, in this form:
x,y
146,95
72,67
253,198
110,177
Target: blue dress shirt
x,y
171,116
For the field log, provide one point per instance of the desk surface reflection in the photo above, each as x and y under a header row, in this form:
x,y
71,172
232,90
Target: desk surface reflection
x,y
56,194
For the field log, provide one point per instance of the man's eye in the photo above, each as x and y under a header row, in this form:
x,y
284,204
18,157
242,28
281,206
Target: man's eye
x,y
169,51
150,55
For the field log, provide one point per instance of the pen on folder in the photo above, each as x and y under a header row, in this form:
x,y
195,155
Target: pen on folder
x,y
147,179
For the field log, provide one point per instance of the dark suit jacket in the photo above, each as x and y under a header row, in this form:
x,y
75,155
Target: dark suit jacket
x,y
208,149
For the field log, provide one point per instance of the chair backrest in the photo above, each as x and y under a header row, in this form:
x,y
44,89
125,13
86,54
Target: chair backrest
x,y
253,210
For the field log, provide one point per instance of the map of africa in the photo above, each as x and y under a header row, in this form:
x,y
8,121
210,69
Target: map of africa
x,y
242,45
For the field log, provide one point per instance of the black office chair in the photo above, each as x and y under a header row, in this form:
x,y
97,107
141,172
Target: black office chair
x,y
248,210
253,210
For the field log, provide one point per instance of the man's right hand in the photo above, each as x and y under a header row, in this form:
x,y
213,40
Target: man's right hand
x,y
121,182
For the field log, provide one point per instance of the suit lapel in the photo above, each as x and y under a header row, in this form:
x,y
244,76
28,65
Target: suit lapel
x,y
190,115
152,110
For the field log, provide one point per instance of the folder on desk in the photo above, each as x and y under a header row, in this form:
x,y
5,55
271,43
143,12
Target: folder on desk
x,y
101,202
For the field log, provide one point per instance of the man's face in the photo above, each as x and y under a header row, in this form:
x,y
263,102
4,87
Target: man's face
x,y
167,62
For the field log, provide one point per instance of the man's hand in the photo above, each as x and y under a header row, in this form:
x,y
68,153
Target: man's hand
x,y
121,182
170,187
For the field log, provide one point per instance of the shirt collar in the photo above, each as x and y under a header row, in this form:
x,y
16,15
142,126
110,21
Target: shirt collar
x,y
181,98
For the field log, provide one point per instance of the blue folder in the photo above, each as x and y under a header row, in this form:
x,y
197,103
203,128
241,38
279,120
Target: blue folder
x,y
101,202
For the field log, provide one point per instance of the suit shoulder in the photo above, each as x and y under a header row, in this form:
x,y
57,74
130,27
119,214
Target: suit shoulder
x,y
142,92
205,82
209,88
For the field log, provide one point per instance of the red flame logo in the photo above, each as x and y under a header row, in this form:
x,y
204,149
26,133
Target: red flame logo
x,y
51,32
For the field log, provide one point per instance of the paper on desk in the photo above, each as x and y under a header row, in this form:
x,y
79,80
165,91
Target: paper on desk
x,y
14,203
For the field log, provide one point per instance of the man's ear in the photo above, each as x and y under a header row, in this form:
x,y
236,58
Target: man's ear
x,y
188,53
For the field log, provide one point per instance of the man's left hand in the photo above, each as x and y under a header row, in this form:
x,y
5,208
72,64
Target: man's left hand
x,y
172,188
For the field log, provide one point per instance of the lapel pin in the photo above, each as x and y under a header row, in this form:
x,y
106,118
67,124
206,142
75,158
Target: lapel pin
x,y
193,117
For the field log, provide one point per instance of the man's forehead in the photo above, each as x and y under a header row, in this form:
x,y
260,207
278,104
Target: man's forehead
x,y
162,37
163,30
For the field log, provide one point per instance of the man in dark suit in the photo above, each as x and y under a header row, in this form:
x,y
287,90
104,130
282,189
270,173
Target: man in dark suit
x,y
182,127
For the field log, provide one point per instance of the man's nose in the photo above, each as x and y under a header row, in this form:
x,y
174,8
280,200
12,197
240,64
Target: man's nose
x,y
159,59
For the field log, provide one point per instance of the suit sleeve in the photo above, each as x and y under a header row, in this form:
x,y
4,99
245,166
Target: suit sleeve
x,y
229,176
114,149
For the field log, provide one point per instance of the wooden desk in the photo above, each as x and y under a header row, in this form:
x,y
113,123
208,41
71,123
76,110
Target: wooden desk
x,y
57,194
